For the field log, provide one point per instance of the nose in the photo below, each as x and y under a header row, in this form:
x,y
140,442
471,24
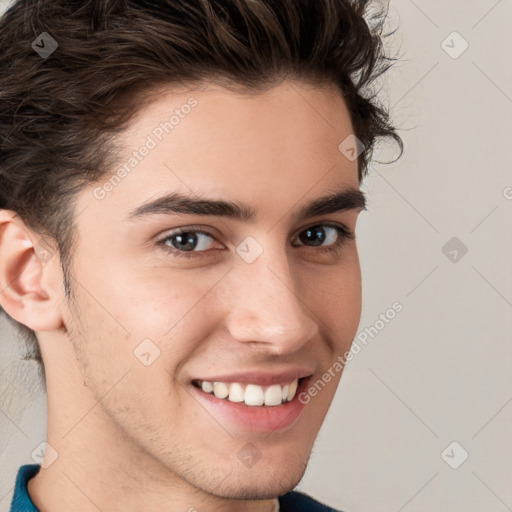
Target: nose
x,y
268,308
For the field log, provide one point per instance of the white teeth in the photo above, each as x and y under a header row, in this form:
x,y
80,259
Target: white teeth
x,y
220,390
207,387
236,393
274,395
292,389
253,394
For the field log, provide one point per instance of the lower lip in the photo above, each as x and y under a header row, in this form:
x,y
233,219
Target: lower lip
x,y
255,418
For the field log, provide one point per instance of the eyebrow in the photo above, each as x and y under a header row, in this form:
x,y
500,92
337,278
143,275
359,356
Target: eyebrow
x,y
178,203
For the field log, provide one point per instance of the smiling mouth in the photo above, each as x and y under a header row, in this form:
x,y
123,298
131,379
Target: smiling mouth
x,y
252,395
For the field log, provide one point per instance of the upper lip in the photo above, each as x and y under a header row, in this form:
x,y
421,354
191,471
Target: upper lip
x,y
260,377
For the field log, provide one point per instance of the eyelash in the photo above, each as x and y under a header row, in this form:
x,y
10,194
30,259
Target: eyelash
x,y
344,234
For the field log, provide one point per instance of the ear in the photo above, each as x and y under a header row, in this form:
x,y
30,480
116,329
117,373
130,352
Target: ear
x,y
29,276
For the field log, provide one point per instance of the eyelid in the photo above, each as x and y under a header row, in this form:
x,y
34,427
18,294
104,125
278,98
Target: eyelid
x,y
325,223
185,229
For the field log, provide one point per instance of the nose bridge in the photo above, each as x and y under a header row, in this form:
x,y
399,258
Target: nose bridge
x,y
267,307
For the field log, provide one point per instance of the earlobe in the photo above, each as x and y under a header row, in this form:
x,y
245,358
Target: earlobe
x,y
28,291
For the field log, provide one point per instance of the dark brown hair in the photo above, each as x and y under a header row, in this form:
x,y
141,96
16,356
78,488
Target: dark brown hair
x,y
58,113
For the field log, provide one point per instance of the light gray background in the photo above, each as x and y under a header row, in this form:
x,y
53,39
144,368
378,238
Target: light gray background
x,y
440,371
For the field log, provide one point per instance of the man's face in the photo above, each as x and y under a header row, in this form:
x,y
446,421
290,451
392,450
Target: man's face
x,y
258,303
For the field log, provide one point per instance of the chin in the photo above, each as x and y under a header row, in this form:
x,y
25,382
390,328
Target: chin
x,y
262,483
257,490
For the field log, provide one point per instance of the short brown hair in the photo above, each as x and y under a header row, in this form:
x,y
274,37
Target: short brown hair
x,y
58,114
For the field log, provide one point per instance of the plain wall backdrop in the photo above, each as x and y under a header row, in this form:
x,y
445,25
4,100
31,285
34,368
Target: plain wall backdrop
x,y
434,384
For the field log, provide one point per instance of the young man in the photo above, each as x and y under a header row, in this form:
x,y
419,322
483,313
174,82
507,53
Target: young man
x,y
179,190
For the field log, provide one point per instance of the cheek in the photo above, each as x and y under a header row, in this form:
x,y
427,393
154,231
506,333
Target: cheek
x,y
157,316
148,300
336,298
125,317
130,373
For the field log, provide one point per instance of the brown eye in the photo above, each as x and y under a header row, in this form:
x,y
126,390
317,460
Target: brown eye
x,y
186,242
326,236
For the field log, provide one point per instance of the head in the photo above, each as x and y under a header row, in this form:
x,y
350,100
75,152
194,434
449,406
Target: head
x,y
245,103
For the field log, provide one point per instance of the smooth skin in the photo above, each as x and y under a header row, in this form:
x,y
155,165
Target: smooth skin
x,y
132,437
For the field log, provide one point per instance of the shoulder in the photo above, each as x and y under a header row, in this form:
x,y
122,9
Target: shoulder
x,y
21,501
296,501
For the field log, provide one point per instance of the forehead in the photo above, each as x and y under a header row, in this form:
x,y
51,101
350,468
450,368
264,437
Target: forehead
x,y
271,148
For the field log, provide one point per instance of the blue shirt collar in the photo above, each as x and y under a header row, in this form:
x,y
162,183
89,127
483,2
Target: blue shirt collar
x,y
21,501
